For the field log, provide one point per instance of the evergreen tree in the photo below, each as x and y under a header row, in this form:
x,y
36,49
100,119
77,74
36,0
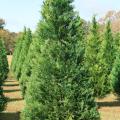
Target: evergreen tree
x,y
58,89
115,73
92,50
28,64
116,43
16,54
3,62
3,73
17,51
24,51
107,60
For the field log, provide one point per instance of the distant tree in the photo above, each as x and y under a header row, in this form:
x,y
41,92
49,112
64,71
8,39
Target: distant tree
x,y
17,51
24,51
115,73
8,37
114,17
28,64
2,23
107,59
92,50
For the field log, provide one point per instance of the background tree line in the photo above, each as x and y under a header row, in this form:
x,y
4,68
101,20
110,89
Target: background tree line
x,y
8,37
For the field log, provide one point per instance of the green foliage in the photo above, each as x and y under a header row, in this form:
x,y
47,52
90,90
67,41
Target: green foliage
x,y
2,100
3,62
3,73
17,51
99,56
92,50
28,64
115,73
21,51
57,88
107,60
27,39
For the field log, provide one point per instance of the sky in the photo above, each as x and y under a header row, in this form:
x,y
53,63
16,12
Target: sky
x,y
20,13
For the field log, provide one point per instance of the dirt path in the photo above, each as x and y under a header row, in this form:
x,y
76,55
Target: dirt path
x,y
15,102
109,108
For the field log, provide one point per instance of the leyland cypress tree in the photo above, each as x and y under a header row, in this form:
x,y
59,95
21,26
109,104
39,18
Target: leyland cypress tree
x,y
17,51
92,56
58,89
24,51
3,62
28,64
3,72
15,54
107,59
115,73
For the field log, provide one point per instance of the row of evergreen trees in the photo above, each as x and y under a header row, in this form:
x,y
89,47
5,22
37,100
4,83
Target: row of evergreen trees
x,y
61,70
3,73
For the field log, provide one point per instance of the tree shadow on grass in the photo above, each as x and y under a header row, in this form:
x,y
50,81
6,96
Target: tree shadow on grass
x,y
9,116
10,81
109,104
14,99
7,91
10,85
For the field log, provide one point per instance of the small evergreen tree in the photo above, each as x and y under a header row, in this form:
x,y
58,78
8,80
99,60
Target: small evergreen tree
x,y
28,65
107,60
3,73
92,50
3,62
16,54
115,73
24,51
58,89
17,51
116,44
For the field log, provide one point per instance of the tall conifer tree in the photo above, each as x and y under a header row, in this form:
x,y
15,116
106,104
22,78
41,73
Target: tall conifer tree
x,y
107,60
58,89
92,50
17,51
28,64
115,73
24,51
3,62
3,72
